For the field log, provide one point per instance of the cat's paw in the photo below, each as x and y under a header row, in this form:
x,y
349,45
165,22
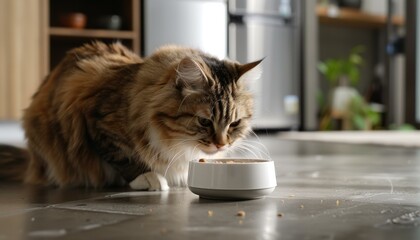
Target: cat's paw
x,y
150,181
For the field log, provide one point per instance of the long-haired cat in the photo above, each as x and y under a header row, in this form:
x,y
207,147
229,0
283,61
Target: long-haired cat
x,y
104,116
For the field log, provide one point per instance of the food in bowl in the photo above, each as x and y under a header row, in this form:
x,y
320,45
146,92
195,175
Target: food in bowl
x,y
228,161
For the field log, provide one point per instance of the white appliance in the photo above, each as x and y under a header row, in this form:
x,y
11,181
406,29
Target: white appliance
x,y
269,29
195,23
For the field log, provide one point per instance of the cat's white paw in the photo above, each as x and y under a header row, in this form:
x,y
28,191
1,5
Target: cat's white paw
x,y
150,181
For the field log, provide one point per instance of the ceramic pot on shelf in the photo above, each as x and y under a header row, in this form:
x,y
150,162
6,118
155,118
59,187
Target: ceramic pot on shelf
x,y
73,20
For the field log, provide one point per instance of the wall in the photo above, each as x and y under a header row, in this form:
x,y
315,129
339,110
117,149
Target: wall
x,y
20,47
336,42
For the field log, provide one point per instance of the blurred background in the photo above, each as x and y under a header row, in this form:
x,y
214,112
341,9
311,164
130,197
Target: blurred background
x,y
329,65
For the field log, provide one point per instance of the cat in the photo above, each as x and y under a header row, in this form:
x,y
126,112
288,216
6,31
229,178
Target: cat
x,y
104,117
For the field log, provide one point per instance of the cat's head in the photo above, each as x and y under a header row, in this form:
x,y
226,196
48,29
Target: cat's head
x,y
211,106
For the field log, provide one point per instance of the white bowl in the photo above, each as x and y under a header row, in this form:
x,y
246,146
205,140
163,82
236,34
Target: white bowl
x,y
232,178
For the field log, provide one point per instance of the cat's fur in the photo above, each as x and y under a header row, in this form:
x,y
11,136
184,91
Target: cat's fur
x,y
104,116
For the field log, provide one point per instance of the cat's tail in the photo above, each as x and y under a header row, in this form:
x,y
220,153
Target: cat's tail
x,y
13,163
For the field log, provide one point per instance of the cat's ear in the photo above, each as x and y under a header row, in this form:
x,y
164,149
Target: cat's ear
x,y
190,77
250,71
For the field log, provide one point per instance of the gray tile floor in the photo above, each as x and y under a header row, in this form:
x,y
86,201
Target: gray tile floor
x,y
325,191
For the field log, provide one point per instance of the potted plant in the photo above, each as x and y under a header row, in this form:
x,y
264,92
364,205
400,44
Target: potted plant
x,y
335,68
344,103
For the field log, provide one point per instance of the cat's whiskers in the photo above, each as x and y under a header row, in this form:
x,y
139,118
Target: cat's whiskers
x,y
241,151
230,149
255,135
248,146
259,142
196,149
258,150
263,150
174,158
248,151
177,156
172,147
237,151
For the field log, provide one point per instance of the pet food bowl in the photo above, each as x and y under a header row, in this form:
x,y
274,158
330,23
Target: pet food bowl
x,y
231,178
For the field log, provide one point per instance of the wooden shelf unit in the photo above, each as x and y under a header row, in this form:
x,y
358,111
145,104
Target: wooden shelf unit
x,y
355,18
91,33
60,39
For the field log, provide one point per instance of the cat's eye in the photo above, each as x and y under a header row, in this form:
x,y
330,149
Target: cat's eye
x,y
235,124
205,122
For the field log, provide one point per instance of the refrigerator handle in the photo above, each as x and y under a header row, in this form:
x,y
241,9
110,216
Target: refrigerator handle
x,y
237,19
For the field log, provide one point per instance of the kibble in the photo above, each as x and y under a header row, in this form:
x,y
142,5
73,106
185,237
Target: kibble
x,y
241,213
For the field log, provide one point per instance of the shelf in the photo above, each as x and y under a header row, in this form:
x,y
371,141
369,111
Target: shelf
x,y
355,18
58,40
91,33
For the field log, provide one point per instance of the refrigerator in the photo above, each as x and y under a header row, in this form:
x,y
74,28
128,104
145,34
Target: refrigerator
x,y
269,29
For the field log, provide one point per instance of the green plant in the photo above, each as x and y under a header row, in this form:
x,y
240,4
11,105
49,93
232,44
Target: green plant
x,y
335,68
403,127
361,115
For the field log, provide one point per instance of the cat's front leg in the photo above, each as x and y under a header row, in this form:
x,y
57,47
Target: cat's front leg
x,y
150,181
